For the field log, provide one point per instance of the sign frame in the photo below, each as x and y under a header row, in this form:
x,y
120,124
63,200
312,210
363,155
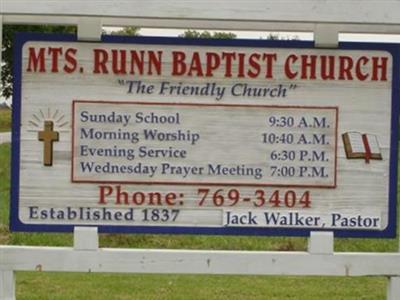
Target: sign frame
x,y
17,225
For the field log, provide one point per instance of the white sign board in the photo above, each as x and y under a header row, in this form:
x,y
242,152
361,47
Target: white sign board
x,y
199,136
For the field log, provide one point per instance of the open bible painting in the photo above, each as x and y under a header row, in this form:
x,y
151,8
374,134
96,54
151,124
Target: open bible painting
x,y
357,145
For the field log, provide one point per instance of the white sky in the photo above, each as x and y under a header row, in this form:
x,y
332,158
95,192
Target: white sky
x,y
393,38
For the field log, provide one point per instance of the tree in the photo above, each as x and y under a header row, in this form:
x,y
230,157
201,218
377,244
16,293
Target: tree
x,y
129,30
6,51
278,37
193,34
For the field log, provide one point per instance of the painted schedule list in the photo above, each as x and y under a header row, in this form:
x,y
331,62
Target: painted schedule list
x,y
204,144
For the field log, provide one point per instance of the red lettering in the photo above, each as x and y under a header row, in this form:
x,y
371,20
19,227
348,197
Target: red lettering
x,y
100,60
269,59
137,62
253,63
228,57
308,66
178,63
54,53
105,190
155,198
213,62
36,60
121,195
138,198
70,59
170,198
379,66
345,66
291,59
195,65
327,67
362,61
154,62
241,65
118,61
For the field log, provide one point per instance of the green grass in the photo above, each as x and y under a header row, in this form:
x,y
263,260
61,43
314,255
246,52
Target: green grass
x,y
5,119
43,285
184,287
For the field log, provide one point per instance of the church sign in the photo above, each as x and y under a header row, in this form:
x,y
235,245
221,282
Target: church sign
x,y
158,135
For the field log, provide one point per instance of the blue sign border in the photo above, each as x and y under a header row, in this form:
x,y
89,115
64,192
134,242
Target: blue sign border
x,y
17,225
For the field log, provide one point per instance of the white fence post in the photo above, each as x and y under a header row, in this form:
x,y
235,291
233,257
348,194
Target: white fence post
x,y
326,36
7,285
86,238
321,242
393,291
89,29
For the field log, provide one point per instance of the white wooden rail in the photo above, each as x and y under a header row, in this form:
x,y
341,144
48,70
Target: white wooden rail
x,y
90,258
325,18
368,16
85,256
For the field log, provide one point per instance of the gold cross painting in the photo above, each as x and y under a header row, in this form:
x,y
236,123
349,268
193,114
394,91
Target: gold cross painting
x,y
48,135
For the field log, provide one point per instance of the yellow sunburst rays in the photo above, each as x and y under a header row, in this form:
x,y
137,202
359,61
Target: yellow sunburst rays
x,y
37,120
